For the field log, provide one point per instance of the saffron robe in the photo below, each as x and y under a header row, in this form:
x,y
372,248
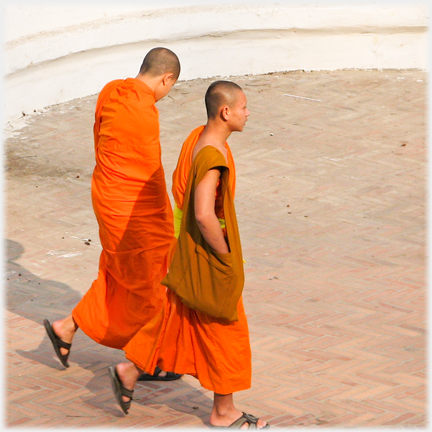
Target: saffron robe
x,y
190,342
134,214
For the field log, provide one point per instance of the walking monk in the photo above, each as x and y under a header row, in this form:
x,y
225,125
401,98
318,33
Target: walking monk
x,y
133,211
205,336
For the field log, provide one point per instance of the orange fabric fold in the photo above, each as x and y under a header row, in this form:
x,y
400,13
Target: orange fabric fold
x,y
134,214
190,342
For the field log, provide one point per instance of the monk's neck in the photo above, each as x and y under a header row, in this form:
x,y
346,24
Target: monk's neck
x,y
150,82
216,133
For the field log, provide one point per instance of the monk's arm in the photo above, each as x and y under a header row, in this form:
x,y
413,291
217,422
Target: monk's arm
x,y
205,215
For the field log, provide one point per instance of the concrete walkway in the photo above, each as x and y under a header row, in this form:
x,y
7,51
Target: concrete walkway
x,y
331,197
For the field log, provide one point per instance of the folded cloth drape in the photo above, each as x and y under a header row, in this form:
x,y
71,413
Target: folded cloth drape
x,y
204,279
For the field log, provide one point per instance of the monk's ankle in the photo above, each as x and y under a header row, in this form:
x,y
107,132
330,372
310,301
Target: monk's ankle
x,y
224,411
128,374
224,416
65,328
128,377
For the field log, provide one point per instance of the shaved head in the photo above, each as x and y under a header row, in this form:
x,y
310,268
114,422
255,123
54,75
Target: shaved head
x,y
160,61
221,93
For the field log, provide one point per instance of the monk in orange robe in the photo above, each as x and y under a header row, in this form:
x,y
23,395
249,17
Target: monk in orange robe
x,y
190,341
132,208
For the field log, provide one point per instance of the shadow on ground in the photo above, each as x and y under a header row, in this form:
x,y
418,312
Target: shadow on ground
x,y
35,299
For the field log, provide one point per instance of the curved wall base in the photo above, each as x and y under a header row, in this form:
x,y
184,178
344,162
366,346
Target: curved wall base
x,y
263,42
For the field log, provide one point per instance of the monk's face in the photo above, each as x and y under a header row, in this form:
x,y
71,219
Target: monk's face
x,y
238,113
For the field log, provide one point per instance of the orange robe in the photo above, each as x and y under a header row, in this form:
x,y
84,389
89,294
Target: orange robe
x,y
134,214
191,342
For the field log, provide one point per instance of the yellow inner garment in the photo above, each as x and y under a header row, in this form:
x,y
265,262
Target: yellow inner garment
x,y
178,213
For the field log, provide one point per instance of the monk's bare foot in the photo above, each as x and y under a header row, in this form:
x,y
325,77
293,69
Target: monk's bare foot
x,y
229,418
224,413
128,374
65,329
224,417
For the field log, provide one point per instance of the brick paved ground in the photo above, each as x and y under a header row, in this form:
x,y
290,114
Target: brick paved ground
x,y
331,204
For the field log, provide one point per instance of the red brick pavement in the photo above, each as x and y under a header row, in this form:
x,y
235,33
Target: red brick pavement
x,y
331,206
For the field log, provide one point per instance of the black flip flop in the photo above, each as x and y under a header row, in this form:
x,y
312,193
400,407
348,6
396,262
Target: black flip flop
x,y
170,376
57,344
245,418
119,390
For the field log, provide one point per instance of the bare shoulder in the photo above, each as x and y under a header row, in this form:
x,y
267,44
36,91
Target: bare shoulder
x,y
210,146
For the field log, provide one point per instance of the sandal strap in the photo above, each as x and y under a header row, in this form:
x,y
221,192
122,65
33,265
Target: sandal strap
x,y
126,392
245,418
63,344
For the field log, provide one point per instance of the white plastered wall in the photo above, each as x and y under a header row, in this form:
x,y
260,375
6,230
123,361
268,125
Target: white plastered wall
x,y
54,54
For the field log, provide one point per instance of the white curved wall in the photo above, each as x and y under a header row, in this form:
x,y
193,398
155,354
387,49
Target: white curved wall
x,y
54,54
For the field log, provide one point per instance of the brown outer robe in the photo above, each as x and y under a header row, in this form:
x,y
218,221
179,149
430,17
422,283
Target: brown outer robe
x,y
205,279
134,214
186,341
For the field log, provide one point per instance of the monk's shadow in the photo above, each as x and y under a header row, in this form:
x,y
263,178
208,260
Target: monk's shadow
x,y
191,400
35,299
185,399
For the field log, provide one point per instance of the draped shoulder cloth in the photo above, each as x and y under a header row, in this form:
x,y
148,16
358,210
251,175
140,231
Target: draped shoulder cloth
x,y
206,280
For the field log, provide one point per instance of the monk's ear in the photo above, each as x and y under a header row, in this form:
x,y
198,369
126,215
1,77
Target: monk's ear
x,y
224,113
167,78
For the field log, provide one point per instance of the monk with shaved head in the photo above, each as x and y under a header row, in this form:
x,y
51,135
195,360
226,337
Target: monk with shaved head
x,y
160,61
133,212
203,331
